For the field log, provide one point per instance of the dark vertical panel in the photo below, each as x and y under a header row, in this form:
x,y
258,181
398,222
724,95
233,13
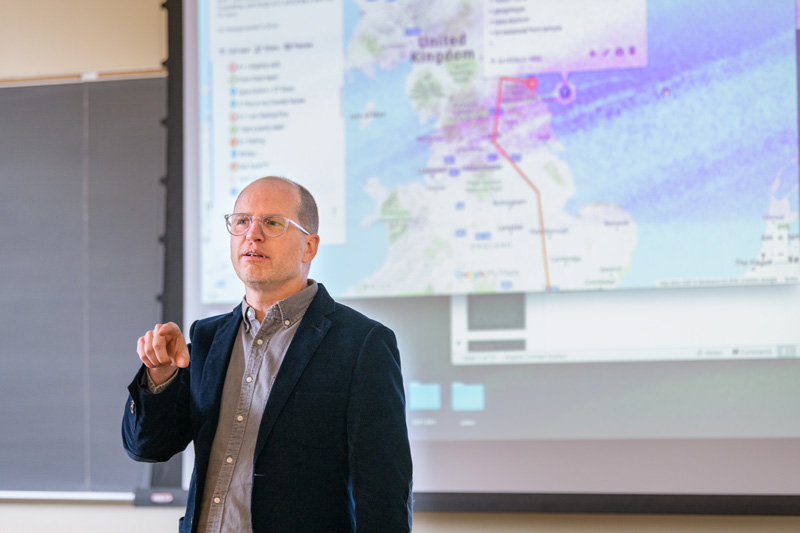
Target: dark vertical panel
x,y
173,239
169,474
42,289
81,265
127,158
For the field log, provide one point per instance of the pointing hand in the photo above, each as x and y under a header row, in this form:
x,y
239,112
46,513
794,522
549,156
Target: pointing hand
x,y
163,350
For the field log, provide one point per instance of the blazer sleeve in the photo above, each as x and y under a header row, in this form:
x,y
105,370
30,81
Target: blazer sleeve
x,y
156,426
379,452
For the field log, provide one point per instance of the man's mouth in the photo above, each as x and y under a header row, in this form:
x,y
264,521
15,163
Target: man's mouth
x,y
253,254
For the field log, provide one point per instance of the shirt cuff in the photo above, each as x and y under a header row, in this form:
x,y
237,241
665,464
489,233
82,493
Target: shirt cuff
x,y
152,388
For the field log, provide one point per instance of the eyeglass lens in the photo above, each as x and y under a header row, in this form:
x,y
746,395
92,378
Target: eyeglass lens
x,y
271,225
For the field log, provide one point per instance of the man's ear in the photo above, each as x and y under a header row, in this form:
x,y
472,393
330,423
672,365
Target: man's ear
x,y
312,244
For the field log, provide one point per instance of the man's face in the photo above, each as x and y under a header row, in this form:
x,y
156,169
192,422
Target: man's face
x,y
271,264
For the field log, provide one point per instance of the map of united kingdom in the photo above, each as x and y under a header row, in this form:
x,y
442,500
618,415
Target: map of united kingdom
x,y
554,148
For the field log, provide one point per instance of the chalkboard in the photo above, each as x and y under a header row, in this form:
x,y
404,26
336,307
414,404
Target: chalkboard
x,y
81,269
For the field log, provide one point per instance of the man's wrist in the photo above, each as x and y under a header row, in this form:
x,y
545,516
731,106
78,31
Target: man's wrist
x,y
151,384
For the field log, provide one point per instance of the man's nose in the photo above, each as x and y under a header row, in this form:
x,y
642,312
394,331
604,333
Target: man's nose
x,y
254,232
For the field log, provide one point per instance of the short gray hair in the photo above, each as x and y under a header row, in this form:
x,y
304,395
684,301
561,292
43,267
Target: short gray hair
x,y
307,212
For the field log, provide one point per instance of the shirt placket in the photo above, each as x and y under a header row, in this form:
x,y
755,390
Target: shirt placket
x,y
255,359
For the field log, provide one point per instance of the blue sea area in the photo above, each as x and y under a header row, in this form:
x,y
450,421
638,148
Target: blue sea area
x,y
691,144
351,14
387,150
691,251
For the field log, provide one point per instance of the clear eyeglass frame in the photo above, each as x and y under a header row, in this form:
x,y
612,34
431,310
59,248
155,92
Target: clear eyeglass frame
x,y
271,225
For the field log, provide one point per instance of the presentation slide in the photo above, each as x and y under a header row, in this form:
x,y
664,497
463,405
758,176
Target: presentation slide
x,y
579,217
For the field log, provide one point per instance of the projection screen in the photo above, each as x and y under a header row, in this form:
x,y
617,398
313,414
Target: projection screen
x,y
579,217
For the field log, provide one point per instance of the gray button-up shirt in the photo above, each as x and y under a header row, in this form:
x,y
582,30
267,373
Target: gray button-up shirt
x,y
257,355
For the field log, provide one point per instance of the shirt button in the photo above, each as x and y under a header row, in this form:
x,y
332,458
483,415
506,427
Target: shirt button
x,y
216,500
240,418
248,379
259,342
287,322
230,460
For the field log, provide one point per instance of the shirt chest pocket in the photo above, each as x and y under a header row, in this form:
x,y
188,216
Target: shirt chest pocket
x,y
318,419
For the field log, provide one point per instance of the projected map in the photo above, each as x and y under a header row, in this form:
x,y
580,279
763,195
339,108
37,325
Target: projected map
x,y
525,146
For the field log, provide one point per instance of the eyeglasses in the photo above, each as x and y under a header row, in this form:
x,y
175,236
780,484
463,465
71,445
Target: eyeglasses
x,y
271,225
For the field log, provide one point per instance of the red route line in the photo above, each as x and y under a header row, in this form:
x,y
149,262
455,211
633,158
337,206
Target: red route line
x,y
519,171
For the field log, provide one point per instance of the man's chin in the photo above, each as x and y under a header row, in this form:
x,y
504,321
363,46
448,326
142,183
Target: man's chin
x,y
258,282
253,273
269,283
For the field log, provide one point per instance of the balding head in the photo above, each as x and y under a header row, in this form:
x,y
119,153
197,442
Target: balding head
x,y
306,211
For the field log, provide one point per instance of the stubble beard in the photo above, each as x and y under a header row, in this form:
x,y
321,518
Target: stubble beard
x,y
266,279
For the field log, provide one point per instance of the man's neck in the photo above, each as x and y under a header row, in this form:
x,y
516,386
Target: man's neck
x,y
262,300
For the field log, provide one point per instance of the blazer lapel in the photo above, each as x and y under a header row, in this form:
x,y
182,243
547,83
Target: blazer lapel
x,y
306,340
216,367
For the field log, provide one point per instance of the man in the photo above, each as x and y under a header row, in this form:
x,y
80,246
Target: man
x,y
294,402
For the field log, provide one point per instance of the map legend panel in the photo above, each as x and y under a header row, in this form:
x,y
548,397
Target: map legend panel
x,y
274,107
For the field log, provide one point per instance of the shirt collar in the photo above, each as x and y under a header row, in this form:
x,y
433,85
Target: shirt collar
x,y
289,310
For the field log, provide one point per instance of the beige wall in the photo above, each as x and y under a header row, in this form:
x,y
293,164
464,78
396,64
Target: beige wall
x,y
44,38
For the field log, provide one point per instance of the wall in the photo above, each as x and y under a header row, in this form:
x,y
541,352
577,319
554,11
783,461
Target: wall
x,y
50,38
46,38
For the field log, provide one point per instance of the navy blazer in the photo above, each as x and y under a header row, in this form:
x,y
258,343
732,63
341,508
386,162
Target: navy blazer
x,y
332,452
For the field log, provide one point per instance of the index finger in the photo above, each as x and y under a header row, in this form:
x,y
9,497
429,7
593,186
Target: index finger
x,y
170,329
170,336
